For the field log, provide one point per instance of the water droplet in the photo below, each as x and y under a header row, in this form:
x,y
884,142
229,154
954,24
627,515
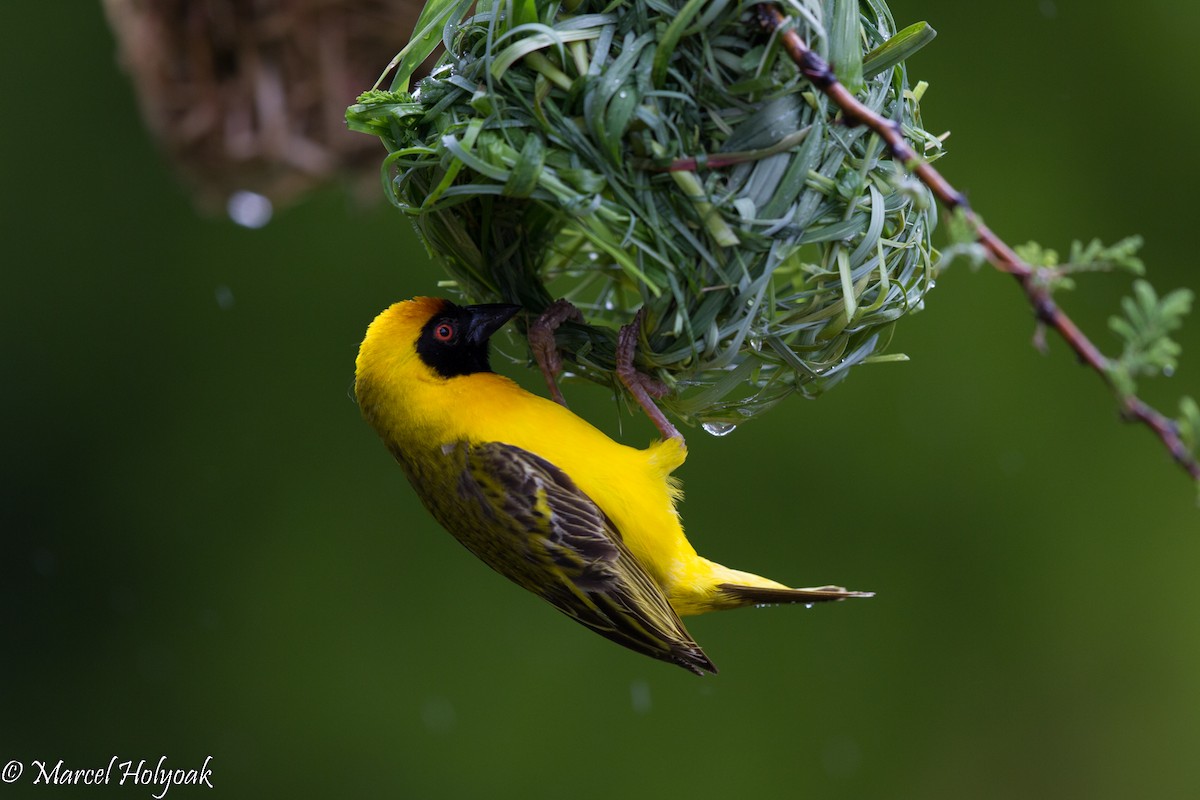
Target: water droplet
x,y
841,756
44,562
719,428
249,209
438,714
639,696
808,605
755,344
1168,371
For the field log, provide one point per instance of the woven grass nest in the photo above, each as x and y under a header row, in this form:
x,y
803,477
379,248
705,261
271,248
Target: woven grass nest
x,y
668,155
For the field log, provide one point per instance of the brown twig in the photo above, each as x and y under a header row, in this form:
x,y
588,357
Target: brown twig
x,y
819,73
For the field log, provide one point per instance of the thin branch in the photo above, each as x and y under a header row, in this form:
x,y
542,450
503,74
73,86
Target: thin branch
x,y
819,73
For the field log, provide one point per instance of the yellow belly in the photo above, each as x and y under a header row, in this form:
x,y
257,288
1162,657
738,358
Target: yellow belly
x,y
632,487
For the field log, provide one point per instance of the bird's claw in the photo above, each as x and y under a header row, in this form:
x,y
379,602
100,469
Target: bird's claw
x,y
642,386
544,347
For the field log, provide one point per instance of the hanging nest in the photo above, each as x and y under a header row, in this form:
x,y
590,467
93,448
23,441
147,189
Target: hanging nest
x,y
249,95
668,155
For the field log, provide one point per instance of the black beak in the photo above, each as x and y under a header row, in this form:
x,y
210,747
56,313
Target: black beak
x,y
486,319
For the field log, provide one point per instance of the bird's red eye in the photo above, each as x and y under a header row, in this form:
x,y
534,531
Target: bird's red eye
x,y
444,332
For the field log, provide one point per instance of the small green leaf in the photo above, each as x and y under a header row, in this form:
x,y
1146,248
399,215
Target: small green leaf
x,y
1145,329
898,48
377,110
1035,255
1095,256
1188,423
1175,306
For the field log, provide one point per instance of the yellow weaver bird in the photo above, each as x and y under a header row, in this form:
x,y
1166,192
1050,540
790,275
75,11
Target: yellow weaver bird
x,y
539,494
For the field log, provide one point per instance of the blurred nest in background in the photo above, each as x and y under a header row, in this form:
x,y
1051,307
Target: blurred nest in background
x,y
248,96
668,154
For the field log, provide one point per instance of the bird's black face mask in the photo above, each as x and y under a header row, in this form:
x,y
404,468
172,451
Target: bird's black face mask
x,y
455,341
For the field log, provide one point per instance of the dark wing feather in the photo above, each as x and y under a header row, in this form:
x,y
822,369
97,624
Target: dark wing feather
x,y
558,544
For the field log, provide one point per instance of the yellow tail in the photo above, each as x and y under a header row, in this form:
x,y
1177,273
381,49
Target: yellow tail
x,y
731,588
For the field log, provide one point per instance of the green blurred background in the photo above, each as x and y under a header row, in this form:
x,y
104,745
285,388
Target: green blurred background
x,y
206,552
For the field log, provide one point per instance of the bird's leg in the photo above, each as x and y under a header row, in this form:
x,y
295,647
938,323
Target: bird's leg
x,y
543,346
641,386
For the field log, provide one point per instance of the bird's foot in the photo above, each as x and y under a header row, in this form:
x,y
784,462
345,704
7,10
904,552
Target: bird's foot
x,y
543,346
642,386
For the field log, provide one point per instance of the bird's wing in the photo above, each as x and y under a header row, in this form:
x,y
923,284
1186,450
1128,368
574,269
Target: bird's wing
x,y
570,553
